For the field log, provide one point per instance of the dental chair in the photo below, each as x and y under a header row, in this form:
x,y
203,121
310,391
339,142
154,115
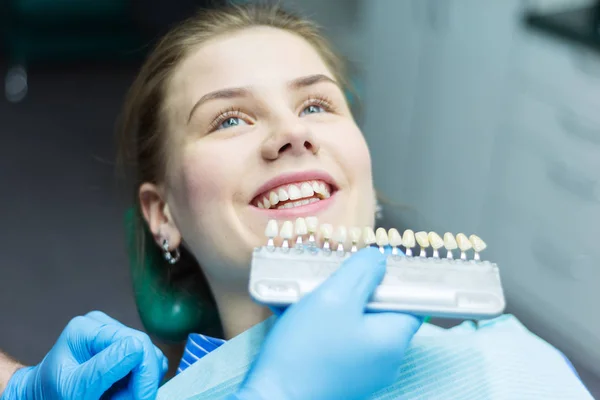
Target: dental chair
x,y
170,299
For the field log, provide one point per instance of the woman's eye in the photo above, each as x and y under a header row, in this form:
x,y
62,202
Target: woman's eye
x,y
312,109
230,122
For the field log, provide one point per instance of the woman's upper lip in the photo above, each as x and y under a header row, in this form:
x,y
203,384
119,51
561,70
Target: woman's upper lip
x,y
295,177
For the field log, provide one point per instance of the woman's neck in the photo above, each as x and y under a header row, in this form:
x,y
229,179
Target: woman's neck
x,y
237,310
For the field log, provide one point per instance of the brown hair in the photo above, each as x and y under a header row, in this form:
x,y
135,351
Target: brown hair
x,y
142,128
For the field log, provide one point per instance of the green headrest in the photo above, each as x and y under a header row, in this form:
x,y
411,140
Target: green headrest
x,y
169,310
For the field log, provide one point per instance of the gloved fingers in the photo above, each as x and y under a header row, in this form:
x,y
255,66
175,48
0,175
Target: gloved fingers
x,y
147,375
356,280
124,395
96,336
102,317
105,319
109,366
392,328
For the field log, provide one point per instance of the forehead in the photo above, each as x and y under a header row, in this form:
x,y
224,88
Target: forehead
x,y
259,57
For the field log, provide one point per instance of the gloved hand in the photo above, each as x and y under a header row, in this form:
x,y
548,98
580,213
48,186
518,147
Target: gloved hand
x,y
93,353
327,347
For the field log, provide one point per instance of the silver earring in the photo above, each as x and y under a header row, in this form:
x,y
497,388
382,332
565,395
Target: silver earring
x,y
171,256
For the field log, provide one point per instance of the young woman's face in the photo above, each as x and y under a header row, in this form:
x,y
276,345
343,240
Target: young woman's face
x,y
259,130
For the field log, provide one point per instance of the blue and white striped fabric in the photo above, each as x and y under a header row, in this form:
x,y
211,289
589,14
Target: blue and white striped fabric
x,y
196,347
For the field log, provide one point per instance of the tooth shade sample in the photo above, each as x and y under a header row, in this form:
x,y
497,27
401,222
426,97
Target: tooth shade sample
x,y
341,233
394,237
327,231
408,239
368,236
463,242
478,244
354,234
381,237
422,239
435,240
272,229
294,192
449,241
301,228
287,230
266,203
312,224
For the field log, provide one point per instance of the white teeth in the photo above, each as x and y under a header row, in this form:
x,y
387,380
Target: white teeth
x,y
354,238
273,198
294,192
327,231
272,229
341,234
422,239
324,190
423,242
394,237
449,241
301,228
300,203
381,237
287,230
478,244
408,239
306,190
261,205
369,236
435,240
283,195
316,187
354,234
266,203
312,224
463,242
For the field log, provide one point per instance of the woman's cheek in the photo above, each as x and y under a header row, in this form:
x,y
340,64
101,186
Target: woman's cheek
x,y
204,178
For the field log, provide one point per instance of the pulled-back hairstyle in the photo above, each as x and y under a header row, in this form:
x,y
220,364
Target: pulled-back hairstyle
x,y
143,132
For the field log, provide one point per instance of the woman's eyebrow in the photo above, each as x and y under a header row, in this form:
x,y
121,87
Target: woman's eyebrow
x,y
238,92
310,80
231,93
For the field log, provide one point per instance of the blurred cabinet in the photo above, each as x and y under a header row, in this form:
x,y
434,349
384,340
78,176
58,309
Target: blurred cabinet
x,y
545,204
477,124
435,82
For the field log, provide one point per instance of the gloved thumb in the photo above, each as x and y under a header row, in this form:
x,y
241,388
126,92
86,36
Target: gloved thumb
x,y
357,278
109,366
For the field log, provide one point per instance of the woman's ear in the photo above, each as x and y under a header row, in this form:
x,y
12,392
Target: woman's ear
x,y
158,217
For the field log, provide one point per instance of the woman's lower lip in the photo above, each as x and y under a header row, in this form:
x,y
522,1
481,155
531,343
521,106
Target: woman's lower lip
x,y
298,211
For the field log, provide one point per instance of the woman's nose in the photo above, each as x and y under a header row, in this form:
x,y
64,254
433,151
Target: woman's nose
x,y
293,138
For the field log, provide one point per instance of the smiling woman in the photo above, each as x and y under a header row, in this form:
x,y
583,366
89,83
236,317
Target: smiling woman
x,y
239,116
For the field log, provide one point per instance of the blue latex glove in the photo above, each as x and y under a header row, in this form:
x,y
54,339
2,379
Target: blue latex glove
x,y
94,356
327,347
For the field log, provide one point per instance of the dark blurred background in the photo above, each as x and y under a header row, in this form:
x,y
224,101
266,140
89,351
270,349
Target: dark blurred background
x,y
485,96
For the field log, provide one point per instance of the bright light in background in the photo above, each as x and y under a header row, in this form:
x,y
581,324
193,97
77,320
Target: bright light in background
x,y
15,84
